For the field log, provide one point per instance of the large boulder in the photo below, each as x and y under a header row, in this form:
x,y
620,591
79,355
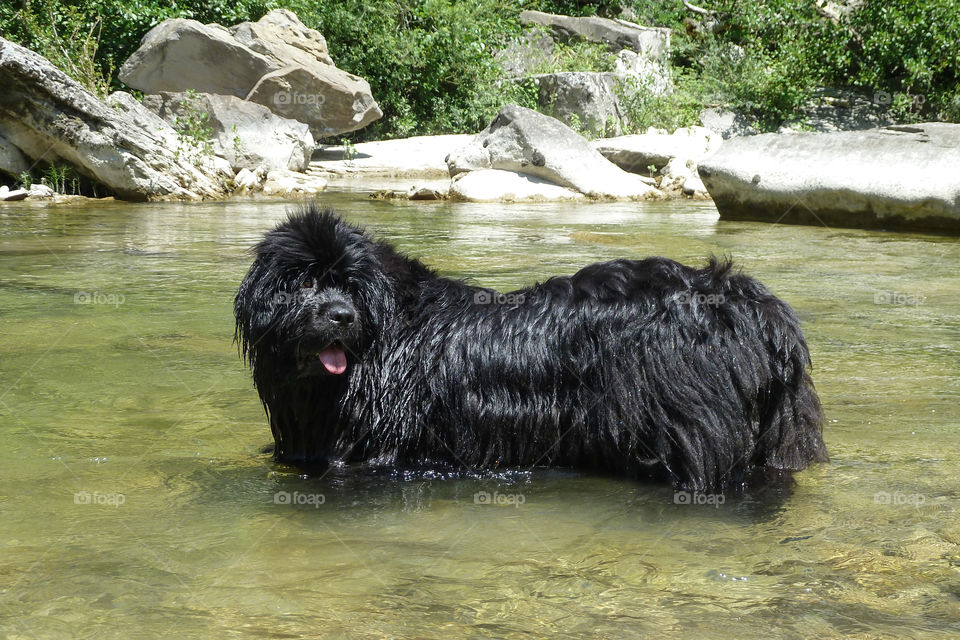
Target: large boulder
x,y
281,36
247,134
528,142
584,100
277,62
328,99
902,177
652,42
180,54
52,119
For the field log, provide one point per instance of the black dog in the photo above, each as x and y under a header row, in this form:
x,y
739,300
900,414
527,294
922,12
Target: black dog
x,y
642,368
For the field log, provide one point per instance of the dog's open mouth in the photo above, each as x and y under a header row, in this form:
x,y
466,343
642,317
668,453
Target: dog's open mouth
x,y
332,358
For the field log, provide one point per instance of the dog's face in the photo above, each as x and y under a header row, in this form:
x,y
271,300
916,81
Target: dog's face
x,y
309,302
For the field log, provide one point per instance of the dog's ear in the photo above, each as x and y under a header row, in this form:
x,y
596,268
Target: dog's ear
x,y
255,309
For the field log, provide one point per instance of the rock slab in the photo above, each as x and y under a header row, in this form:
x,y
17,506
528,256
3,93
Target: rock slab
x,y
901,177
525,141
49,117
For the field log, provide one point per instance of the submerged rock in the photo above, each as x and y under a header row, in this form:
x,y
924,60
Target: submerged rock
x,y
901,177
527,142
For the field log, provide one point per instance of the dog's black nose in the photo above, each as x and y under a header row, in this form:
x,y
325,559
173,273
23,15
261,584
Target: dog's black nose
x,y
341,315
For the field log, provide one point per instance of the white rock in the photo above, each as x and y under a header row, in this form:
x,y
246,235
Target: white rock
x,y
528,142
894,177
249,179
280,181
40,191
494,185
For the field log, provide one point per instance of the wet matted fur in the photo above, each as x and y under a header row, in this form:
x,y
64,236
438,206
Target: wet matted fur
x,y
643,368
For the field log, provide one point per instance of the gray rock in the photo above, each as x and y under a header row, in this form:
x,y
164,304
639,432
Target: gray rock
x,y
281,36
151,122
521,58
841,110
277,62
328,99
50,117
12,160
179,54
249,179
729,123
902,177
637,153
494,185
528,142
246,134
585,100
651,75
422,192
653,42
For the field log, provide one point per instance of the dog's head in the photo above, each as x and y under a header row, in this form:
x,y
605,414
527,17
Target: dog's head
x,y
312,299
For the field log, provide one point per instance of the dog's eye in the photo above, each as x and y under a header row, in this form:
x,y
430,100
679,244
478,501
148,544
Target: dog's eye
x,y
306,283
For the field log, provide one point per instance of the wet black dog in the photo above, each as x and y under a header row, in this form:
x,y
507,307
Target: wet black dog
x,y
642,368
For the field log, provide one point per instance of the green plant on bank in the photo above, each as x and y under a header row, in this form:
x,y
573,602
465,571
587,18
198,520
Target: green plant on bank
x,y
71,42
642,108
237,143
61,178
25,180
349,150
194,133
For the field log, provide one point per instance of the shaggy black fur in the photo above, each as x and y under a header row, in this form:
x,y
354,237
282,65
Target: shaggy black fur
x,y
645,368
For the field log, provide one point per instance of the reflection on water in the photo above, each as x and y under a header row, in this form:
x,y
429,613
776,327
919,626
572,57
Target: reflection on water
x,y
135,500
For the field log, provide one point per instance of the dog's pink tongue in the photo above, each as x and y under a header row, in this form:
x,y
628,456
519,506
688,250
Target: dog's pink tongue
x,y
334,359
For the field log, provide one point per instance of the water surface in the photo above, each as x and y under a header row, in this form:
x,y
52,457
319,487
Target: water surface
x,y
135,500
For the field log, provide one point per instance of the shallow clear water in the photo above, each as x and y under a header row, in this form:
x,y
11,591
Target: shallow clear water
x,y
135,501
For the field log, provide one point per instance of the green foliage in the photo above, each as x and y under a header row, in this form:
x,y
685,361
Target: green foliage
x,y
644,109
431,67
194,133
62,179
